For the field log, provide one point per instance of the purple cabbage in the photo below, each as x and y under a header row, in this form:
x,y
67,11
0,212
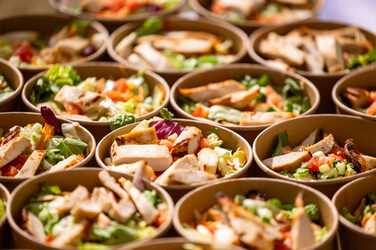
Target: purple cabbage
x,y
165,129
89,50
50,118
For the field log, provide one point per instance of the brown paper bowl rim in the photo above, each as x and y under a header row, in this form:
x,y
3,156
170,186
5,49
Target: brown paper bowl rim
x,y
332,232
20,80
131,18
32,81
252,52
3,219
178,19
197,7
336,95
265,69
312,183
94,24
160,231
78,165
343,222
174,187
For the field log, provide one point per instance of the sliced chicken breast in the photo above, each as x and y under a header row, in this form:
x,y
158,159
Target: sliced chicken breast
x,y
309,140
313,59
71,236
109,182
325,145
331,52
31,165
370,225
246,7
132,168
88,209
188,141
239,100
67,163
189,176
153,57
208,160
13,148
35,227
72,46
288,162
260,118
185,46
144,136
123,210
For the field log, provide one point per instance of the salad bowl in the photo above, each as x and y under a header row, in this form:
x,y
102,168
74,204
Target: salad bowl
x,y
9,95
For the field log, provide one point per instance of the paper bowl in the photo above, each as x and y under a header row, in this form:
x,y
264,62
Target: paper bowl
x,y
106,70
324,82
10,119
46,24
341,126
179,23
230,138
363,78
248,26
236,71
67,181
4,195
15,79
204,197
353,236
110,23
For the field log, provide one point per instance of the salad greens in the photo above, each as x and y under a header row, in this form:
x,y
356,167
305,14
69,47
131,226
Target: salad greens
x,y
362,60
122,120
5,88
2,208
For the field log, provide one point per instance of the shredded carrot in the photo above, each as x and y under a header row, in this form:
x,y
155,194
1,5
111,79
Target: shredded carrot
x,y
168,143
114,95
72,109
200,111
99,84
47,133
121,85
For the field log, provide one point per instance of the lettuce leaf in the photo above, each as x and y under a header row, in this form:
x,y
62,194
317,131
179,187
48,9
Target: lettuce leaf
x,y
122,120
69,147
113,234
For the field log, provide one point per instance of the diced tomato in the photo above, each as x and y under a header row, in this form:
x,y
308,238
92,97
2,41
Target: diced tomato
x,y
372,109
218,9
11,169
49,238
121,85
72,109
314,164
114,95
337,150
200,111
24,52
278,245
166,142
204,143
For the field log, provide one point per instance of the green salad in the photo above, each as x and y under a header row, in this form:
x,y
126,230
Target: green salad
x,y
2,207
5,88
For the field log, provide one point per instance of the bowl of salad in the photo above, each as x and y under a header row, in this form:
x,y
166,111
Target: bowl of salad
x,y
4,198
106,210
321,151
355,94
245,98
11,83
101,96
35,42
177,154
357,213
32,144
258,213
113,13
250,15
321,51
173,46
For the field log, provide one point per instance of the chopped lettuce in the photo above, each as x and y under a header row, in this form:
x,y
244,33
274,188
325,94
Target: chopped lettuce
x,y
187,104
283,140
114,234
221,113
321,234
122,120
362,60
152,196
70,130
214,140
70,146
313,211
151,26
53,156
166,114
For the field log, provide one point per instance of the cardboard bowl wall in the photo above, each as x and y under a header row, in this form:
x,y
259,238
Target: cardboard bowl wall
x,y
353,236
363,78
68,181
10,119
4,196
230,138
203,198
236,71
341,126
248,26
179,23
105,70
324,82
110,23
47,24
15,79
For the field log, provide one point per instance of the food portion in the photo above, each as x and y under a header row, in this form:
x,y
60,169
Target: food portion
x,y
115,212
168,153
2,207
364,215
318,157
360,99
152,46
318,51
254,221
29,48
194,246
96,99
37,148
123,8
263,11
5,88
249,101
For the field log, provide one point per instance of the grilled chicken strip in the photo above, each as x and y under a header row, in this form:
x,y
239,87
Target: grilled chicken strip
x,y
109,182
187,46
67,163
34,226
13,148
246,7
331,52
357,97
352,154
309,140
132,168
153,56
72,46
208,160
325,145
288,162
88,209
212,90
370,225
31,165
123,210
292,2
313,58
144,136
237,100
188,141
190,176
260,118
71,236
65,204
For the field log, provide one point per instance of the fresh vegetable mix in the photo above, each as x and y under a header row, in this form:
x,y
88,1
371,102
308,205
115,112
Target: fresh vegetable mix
x,y
364,215
256,222
27,48
249,101
96,99
168,153
5,88
123,8
36,148
318,159
318,51
150,46
117,212
361,99
263,11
